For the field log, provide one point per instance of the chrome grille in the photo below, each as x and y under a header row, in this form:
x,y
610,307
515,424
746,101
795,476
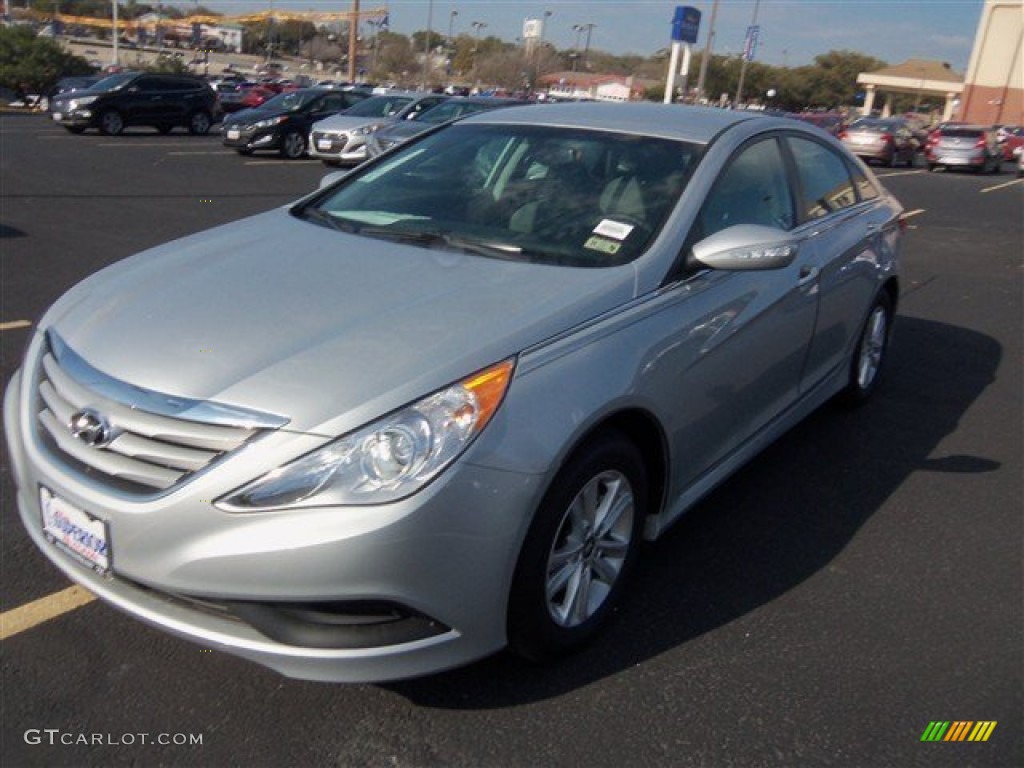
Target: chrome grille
x,y
157,440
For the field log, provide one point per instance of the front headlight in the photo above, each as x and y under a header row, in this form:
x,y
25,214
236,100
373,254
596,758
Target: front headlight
x,y
82,102
366,130
386,460
270,122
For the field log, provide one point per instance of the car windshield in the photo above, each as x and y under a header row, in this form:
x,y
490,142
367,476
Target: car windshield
x,y
291,101
379,106
962,133
114,82
548,195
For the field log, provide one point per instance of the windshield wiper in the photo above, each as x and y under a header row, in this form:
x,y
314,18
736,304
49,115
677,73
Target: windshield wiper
x,y
436,237
320,216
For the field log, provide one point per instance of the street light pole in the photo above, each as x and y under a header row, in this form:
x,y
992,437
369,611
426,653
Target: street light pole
x,y
353,40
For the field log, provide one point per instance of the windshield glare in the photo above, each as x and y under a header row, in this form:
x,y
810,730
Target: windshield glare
x,y
379,106
113,82
542,194
290,101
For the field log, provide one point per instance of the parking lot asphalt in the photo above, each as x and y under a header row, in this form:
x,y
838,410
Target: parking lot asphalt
x,y
859,580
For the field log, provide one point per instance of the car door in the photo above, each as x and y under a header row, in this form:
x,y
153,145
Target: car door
x,y
741,337
842,226
141,102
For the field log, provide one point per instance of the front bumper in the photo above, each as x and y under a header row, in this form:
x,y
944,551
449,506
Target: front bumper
x,y
339,148
444,557
249,138
75,119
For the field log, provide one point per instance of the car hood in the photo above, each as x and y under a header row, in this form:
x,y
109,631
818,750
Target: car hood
x,y
348,122
405,129
324,328
255,114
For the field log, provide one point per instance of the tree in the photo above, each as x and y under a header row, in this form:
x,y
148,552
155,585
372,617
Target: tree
x,y
30,64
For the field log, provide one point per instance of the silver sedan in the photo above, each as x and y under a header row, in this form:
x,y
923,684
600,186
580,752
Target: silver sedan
x,y
432,409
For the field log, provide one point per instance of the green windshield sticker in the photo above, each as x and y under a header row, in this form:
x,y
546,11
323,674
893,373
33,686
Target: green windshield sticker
x,y
603,245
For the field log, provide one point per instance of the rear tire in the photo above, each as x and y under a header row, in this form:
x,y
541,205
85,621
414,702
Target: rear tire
x,y
199,123
579,550
870,354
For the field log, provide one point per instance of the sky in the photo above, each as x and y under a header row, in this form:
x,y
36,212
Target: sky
x,y
792,32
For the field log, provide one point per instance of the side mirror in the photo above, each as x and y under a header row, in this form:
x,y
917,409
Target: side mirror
x,y
331,178
744,248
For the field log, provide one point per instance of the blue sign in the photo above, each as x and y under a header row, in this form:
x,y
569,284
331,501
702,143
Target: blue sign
x,y
750,47
685,24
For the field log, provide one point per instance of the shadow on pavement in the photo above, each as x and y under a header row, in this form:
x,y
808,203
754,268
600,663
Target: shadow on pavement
x,y
775,524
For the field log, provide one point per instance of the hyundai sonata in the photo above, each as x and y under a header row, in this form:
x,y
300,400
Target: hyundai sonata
x,y
433,409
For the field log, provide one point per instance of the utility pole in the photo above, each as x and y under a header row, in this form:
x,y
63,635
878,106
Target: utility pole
x,y
353,40
753,46
706,58
426,45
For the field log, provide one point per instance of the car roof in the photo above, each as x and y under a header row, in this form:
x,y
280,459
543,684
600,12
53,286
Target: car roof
x,y
672,121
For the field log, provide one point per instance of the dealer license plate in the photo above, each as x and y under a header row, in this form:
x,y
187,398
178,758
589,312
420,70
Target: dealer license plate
x,y
234,134
324,144
75,532
57,116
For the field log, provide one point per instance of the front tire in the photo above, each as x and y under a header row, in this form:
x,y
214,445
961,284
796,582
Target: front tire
x,y
870,354
579,550
111,123
293,145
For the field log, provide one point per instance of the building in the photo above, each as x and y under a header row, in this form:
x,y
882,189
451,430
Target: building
x,y
994,86
920,77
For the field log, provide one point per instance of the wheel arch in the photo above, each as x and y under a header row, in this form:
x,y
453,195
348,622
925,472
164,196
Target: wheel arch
x,y
641,428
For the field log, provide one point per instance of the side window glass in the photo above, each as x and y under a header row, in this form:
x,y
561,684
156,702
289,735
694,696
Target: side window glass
x,y
824,179
753,189
865,189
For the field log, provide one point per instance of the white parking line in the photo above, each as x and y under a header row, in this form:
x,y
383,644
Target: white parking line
x,y
146,145
13,324
898,173
914,212
1002,186
183,154
44,609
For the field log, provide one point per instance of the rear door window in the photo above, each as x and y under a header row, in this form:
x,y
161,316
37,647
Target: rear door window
x,y
825,183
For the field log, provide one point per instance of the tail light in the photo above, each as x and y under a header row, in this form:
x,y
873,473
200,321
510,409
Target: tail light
x,y
887,138
843,135
980,143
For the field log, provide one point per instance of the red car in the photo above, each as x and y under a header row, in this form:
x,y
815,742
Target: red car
x,y
255,96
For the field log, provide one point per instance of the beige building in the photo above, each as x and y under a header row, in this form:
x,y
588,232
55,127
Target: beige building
x,y
994,86
923,78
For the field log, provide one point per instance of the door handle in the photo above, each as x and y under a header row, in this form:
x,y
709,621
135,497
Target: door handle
x,y
808,275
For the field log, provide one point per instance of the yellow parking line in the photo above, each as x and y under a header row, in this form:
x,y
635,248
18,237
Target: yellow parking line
x,y
38,611
1001,186
13,324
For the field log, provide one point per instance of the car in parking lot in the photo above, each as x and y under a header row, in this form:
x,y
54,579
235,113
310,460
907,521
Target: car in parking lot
x,y
163,101
391,135
889,141
433,408
341,139
973,147
282,123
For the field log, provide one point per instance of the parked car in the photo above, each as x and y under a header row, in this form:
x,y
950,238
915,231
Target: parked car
x,y
889,141
433,408
391,135
341,140
282,123
830,122
124,99
67,85
255,96
965,146
1011,140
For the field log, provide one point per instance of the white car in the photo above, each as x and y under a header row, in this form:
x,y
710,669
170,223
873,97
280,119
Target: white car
x,y
341,139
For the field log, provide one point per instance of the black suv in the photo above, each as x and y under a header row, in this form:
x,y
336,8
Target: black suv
x,y
134,98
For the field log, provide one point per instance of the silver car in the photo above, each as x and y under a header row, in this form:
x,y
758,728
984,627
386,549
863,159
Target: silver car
x,y
341,139
432,409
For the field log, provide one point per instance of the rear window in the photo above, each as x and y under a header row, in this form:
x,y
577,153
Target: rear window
x,y
962,133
